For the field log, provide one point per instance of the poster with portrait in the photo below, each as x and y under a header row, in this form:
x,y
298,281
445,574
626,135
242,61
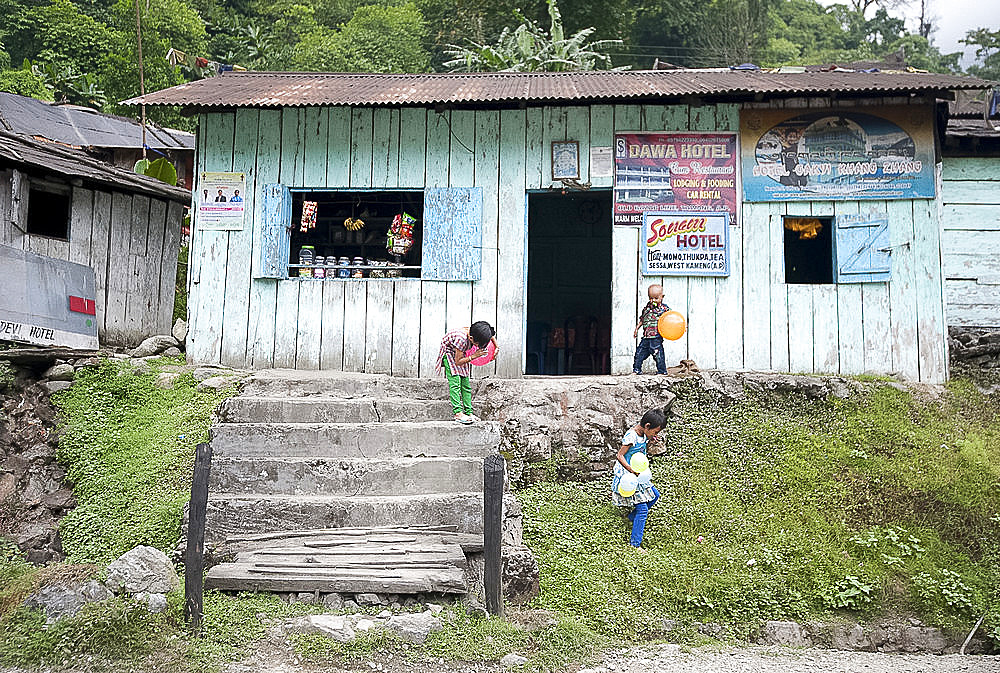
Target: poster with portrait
x,y
667,172
685,244
796,155
220,201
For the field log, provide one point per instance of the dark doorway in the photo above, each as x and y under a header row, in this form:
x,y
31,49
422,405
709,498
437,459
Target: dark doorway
x,y
569,283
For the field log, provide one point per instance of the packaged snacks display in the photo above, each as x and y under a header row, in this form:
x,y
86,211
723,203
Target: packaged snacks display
x,y
308,221
399,240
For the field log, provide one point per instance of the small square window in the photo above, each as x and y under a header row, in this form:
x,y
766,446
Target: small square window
x,y
48,212
808,250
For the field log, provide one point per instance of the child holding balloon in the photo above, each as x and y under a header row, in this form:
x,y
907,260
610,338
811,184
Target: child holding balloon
x,y
459,348
651,342
631,485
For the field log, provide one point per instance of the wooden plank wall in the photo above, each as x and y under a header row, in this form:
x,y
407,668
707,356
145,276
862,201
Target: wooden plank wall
x,y
751,320
130,240
970,219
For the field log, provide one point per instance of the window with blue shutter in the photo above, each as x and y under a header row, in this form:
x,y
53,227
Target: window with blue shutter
x,y
272,237
863,249
453,234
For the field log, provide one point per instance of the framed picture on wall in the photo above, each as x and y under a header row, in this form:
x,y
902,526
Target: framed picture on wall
x,y
565,160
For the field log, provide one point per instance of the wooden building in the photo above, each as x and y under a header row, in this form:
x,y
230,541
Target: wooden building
x,y
59,202
970,216
509,177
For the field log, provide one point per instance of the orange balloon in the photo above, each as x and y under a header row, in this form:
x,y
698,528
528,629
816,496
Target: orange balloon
x,y
671,325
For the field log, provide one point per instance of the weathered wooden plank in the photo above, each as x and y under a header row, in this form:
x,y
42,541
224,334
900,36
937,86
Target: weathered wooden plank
x,y
361,147
971,217
286,320
385,148
968,168
119,269
626,282
729,326
462,150
432,325
780,327
406,328
81,223
152,320
136,294
578,129
438,149
671,118
338,148
170,261
486,170
702,118
701,317
412,141
100,241
355,320
378,327
969,191
309,329
195,244
292,149
602,120
553,129
932,331
511,241
850,313
263,291
902,291
800,329
332,345
316,124
826,330
754,225
727,117
971,242
535,160
969,265
235,577
236,305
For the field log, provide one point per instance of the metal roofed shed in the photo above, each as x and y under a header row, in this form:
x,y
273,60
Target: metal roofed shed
x,y
289,89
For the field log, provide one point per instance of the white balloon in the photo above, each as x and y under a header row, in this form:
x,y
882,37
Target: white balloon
x,y
645,477
627,484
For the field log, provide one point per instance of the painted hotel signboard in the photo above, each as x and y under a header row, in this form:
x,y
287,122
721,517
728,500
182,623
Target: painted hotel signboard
x,y
789,155
674,172
685,244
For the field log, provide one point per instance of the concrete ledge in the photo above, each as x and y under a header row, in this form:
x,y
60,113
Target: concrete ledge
x,y
317,409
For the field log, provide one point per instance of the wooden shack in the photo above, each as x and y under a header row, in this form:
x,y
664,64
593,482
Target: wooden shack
x,y
59,202
530,215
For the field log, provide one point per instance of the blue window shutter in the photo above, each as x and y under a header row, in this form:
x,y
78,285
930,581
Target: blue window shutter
x,y
863,252
273,237
453,234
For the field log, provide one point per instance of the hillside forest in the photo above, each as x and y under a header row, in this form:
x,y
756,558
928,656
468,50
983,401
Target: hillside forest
x,y
86,52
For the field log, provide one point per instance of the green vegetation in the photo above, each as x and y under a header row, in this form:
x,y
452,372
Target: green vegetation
x,y
872,506
128,447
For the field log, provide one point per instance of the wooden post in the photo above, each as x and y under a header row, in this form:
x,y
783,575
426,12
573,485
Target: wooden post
x,y
194,558
493,468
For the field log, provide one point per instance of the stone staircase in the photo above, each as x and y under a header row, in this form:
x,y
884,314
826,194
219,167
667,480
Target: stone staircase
x,y
345,483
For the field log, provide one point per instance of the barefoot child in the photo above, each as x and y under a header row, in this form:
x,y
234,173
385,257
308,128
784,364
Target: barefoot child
x,y
456,365
646,495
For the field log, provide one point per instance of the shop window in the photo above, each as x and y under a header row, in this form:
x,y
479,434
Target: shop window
x,y
842,249
48,211
356,234
434,235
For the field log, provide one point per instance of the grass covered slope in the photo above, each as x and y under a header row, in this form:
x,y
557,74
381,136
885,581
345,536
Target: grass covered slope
x,y
128,448
873,506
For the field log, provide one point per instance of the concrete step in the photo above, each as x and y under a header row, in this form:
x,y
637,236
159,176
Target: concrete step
x,y
240,515
346,440
296,383
318,409
337,476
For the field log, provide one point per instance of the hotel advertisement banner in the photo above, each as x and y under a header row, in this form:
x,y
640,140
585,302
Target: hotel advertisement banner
x,y
685,244
667,172
792,155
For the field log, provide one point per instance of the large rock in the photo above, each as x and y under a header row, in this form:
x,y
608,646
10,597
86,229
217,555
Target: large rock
x,y
414,627
180,330
789,634
65,600
337,627
143,569
153,346
60,372
519,575
216,383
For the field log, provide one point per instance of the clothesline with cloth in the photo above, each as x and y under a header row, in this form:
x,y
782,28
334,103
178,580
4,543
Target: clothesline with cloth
x,y
202,66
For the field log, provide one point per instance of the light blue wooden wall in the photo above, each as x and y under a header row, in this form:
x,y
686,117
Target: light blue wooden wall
x,y
750,320
970,219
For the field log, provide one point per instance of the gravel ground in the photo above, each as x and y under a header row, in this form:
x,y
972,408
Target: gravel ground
x,y
672,659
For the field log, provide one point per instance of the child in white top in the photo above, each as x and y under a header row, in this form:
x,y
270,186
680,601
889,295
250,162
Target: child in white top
x,y
646,495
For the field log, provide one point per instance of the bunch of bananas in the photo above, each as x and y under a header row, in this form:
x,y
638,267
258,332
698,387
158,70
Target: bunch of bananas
x,y
354,224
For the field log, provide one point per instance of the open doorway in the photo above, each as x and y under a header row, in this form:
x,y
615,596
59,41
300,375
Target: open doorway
x,y
569,283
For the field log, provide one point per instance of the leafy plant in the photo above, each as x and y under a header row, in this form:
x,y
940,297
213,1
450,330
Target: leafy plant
x,y
943,592
159,168
851,593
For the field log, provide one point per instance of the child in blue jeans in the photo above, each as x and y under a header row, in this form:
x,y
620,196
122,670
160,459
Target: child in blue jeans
x,y
646,495
651,342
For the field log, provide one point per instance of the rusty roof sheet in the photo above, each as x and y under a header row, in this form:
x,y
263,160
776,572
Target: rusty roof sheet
x,y
290,89
54,158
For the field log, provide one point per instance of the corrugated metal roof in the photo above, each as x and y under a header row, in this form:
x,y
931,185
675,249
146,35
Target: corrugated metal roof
x,y
276,89
22,151
83,127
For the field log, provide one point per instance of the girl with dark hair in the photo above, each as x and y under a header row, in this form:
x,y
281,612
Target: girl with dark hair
x,y
628,488
455,361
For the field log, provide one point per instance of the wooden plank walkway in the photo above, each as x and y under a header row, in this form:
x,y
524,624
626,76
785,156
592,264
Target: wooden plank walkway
x,y
347,560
